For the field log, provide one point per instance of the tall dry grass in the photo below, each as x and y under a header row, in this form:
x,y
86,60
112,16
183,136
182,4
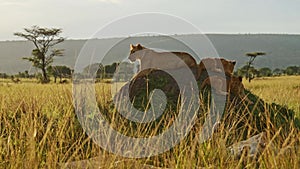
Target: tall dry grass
x,y
39,129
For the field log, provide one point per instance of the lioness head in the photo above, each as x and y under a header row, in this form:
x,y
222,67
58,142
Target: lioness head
x,y
237,88
228,65
133,52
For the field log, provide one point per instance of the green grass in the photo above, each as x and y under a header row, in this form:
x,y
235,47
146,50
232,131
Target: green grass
x,y
39,129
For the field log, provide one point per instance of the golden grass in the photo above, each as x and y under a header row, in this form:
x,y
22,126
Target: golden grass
x,y
284,90
39,129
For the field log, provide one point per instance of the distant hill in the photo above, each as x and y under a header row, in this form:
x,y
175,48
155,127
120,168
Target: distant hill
x,y
282,50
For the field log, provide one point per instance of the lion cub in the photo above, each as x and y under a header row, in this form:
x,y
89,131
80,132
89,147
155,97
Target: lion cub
x,y
161,60
222,86
216,65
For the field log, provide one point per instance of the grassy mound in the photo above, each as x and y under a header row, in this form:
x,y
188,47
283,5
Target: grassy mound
x,y
248,118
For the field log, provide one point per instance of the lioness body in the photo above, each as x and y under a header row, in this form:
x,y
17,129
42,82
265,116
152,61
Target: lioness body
x,y
161,60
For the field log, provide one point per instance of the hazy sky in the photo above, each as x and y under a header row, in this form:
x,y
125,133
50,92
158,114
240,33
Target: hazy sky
x,y
82,18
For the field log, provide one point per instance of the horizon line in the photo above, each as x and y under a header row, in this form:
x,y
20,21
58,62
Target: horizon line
x,y
205,33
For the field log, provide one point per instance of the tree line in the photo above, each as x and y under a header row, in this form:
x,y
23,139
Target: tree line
x,y
61,72
249,72
108,71
252,72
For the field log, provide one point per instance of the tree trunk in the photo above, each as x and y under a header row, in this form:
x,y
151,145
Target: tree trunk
x,y
45,78
247,72
44,71
250,78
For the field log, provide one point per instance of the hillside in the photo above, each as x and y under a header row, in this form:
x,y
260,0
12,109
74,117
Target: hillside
x,y
282,50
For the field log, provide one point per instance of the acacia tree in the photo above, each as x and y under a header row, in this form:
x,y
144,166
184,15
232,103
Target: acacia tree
x,y
252,56
44,39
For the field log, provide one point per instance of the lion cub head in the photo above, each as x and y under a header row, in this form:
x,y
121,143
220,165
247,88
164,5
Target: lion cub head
x,y
228,65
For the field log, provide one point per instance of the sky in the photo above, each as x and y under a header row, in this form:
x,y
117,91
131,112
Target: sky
x,y
80,19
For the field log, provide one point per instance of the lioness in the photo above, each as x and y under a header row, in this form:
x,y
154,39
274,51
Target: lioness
x,y
222,86
216,64
161,60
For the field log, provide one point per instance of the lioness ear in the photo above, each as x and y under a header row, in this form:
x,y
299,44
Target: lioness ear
x,y
139,46
233,62
131,46
240,78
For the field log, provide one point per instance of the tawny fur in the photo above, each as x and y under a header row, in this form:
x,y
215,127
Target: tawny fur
x,y
160,60
218,65
223,86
